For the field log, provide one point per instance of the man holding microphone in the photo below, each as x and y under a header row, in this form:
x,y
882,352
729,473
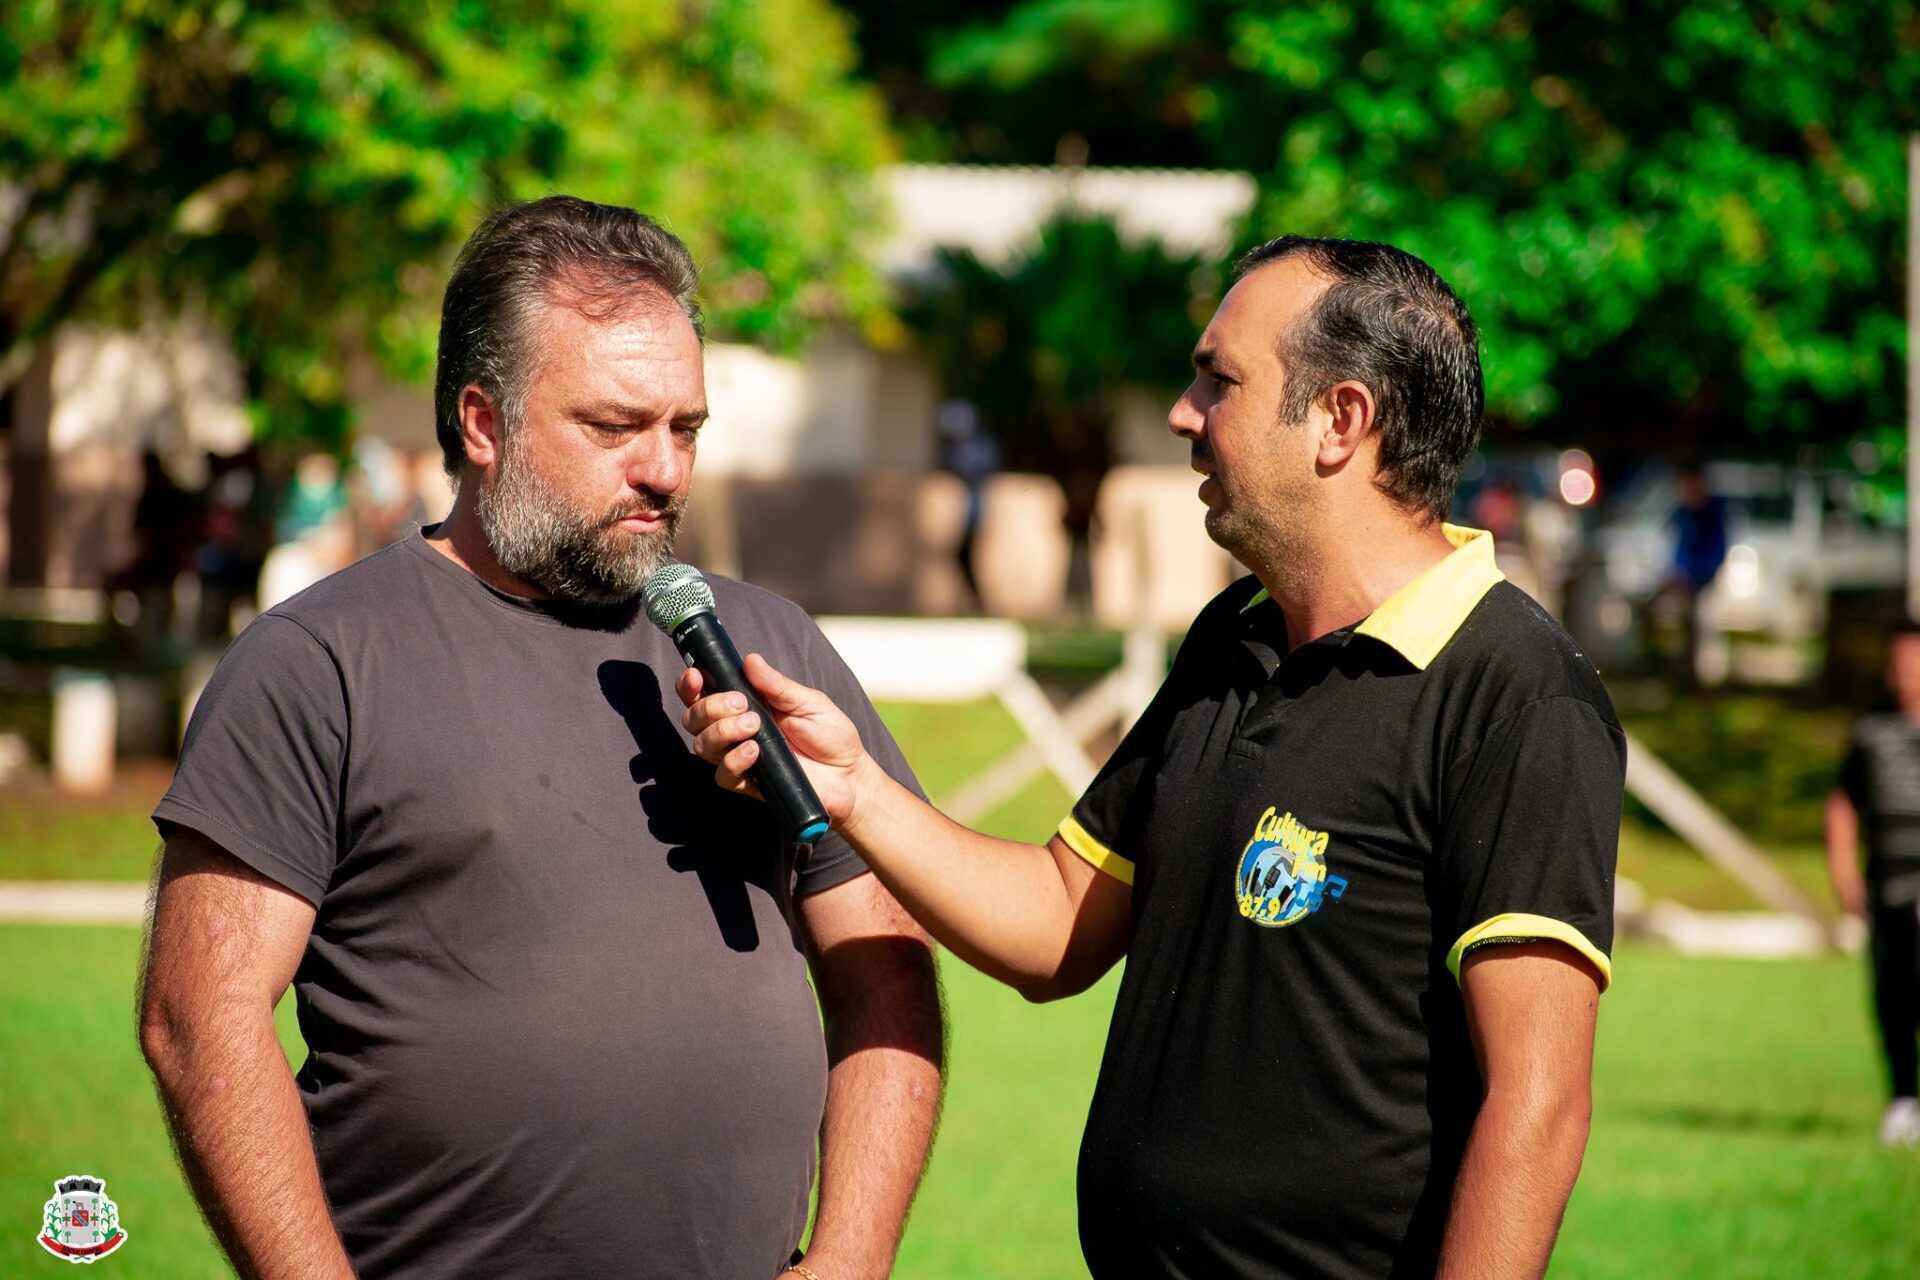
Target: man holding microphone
x,y
1358,853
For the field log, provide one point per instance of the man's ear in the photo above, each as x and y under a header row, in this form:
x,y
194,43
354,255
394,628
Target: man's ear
x,y
480,426
1350,409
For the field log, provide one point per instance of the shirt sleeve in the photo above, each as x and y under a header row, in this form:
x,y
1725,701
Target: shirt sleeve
x,y
1105,824
1853,772
261,768
1531,834
1106,819
831,860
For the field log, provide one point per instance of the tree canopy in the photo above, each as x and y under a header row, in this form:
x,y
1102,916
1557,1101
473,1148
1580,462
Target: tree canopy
x,y
1044,345
301,172
1679,222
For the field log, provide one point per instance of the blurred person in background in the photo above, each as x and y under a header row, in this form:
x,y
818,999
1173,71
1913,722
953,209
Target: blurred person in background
x,y
312,531
553,985
1358,853
166,520
1877,804
1699,549
236,532
1496,508
380,495
969,451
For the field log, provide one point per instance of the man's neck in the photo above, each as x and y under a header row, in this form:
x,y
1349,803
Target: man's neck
x,y
1352,572
461,539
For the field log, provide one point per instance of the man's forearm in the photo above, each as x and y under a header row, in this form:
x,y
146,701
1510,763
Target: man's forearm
x,y
1000,905
883,1101
1036,917
1521,1162
1843,853
242,1137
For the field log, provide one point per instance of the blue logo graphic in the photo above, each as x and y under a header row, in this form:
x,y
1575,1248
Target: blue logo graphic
x,y
1282,876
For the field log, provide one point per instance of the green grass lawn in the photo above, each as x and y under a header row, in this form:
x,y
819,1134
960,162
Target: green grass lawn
x,y
1735,1100
110,841
1667,867
1733,1134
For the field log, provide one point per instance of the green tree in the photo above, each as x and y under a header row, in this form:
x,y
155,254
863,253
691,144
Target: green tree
x,y
1678,221
1044,344
302,171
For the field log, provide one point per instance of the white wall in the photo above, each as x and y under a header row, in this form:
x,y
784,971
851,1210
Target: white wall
x,y
174,387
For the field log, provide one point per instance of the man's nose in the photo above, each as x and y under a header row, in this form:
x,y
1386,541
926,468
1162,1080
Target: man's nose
x,y
658,462
1185,419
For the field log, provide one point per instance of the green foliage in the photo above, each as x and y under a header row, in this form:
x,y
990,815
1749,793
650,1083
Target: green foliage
x,y
302,172
1761,760
1666,214
1044,345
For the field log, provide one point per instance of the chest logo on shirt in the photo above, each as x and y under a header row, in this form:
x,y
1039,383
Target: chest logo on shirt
x,y
1282,876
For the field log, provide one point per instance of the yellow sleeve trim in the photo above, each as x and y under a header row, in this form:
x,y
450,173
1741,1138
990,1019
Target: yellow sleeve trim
x,y
1525,928
1078,839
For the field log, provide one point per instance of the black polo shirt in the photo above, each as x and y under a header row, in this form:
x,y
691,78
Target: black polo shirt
x,y
1314,841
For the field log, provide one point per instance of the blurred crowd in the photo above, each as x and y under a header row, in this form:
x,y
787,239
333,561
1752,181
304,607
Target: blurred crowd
x,y
207,558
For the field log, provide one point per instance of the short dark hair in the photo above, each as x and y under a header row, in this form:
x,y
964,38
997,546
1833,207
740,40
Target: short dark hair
x,y
1390,322
524,258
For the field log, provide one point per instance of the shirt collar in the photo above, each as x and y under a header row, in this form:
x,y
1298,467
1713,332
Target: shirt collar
x,y
1417,620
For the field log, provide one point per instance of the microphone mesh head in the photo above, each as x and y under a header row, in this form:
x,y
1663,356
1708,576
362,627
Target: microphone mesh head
x,y
675,593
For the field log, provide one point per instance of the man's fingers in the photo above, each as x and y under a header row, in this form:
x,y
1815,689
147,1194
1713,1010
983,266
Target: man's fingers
x,y
779,692
730,774
721,736
711,710
735,764
689,684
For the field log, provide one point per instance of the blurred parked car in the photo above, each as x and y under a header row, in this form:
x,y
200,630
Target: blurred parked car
x,y
1793,537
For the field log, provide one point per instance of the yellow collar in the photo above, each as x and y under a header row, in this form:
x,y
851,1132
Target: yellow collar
x,y
1419,618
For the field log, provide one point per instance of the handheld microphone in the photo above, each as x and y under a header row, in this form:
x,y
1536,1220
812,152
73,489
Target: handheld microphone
x,y
680,603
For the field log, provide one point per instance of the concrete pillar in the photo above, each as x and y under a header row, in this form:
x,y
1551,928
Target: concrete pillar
x,y
83,730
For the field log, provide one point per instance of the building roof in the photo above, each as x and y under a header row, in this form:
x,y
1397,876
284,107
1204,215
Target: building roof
x,y
997,211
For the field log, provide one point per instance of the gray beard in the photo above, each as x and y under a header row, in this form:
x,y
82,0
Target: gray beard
x,y
540,538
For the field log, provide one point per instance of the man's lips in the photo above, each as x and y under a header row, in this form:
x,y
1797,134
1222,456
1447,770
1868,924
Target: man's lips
x,y
647,519
1205,467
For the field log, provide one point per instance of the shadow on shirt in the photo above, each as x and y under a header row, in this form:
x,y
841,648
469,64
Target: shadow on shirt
x,y
729,842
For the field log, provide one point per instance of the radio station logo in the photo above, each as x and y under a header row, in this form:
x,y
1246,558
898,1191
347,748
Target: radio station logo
x,y
1282,876
81,1225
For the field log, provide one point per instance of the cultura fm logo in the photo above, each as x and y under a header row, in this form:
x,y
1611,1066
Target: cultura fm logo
x,y
1283,872
82,1224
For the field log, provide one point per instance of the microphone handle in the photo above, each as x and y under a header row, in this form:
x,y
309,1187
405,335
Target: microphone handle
x,y
704,643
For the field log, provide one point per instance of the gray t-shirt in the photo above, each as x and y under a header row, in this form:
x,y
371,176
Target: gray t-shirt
x,y
556,1008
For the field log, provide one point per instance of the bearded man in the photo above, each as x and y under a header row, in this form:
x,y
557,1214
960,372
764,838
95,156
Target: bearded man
x,y
553,985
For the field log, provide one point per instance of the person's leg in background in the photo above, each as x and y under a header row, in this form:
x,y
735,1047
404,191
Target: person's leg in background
x,y
1895,955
